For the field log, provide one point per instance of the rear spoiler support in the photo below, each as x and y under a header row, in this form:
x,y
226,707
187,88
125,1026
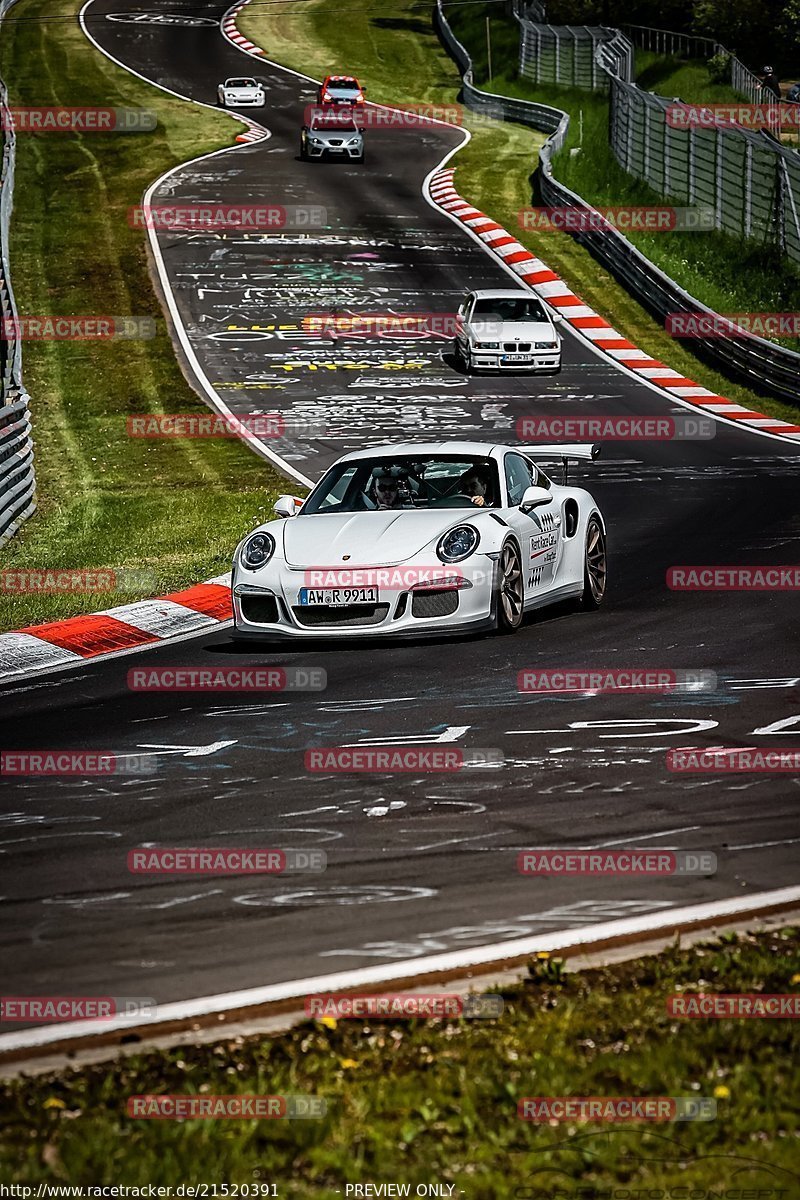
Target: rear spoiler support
x,y
576,452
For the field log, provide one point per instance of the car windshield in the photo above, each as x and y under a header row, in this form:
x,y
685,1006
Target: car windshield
x,y
333,121
349,86
241,83
406,482
508,308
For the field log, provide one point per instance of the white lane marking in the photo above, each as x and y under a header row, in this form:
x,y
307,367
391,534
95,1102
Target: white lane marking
x,y
760,845
787,725
641,837
229,1002
456,841
451,734
688,725
186,751
382,807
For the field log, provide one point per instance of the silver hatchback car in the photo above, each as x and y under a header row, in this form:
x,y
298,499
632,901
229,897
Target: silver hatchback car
x,y
331,133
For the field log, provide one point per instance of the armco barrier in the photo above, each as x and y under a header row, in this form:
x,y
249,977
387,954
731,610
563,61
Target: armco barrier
x,y
17,481
757,362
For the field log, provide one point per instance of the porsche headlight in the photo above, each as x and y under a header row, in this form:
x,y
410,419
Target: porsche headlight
x,y
458,543
257,551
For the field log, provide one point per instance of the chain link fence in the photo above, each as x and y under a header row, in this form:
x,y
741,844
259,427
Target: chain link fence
x,y
757,362
17,481
684,152
567,55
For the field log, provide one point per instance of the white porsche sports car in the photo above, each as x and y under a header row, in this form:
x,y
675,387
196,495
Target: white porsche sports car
x,y
506,330
241,93
418,539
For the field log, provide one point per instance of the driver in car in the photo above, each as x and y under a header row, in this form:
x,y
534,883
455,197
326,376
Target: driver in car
x,y
387,492
475,484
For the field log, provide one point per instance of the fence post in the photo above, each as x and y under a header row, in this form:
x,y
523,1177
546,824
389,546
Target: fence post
x,y
748,188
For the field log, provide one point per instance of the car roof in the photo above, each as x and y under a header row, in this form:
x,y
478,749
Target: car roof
x,y
502,294
341,79
469,449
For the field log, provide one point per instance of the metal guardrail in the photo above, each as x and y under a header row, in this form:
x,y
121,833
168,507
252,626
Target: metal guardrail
x,y
757,362
17,480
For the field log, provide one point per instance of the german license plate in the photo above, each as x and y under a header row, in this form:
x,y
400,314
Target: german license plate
x,y
517,357
338,597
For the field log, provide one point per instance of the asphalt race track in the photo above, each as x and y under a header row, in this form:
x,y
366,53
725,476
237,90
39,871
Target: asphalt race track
x,y
416,864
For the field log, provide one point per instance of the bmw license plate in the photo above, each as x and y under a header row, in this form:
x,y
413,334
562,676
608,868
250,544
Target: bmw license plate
x,y
338,597
517,357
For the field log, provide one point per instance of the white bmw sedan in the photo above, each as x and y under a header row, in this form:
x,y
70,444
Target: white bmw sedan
x,y
418,539
507,330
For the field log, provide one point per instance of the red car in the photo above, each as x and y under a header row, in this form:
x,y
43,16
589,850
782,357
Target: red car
x,y
340,89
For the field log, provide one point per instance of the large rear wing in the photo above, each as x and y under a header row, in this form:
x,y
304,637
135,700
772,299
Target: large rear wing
x,y
574,451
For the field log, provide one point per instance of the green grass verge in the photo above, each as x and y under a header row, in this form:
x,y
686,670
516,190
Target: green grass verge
x,y
401,60
689,78
174,508
415,1102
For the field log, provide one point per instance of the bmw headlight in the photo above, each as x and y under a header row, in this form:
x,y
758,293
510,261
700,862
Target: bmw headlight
x,y
257,551
487,345
546,345
458,543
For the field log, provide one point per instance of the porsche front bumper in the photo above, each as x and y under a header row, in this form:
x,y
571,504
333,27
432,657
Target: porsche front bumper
x,y
266,605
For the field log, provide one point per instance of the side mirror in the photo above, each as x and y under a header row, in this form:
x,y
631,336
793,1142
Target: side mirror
x,y
556,318
287,506
363,91
534,497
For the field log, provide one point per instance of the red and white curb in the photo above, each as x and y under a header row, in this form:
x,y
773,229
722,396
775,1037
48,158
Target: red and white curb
x,y
233,34
127,628
590,324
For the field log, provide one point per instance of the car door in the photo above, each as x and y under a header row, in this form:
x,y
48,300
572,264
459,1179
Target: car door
x,y
539,531
462,320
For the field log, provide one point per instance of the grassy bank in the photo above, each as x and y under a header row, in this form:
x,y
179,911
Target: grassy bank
x,y
173,508
416,1102
728,274
402,61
